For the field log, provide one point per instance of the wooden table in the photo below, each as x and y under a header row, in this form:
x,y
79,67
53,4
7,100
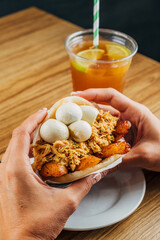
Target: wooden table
x,y
34,73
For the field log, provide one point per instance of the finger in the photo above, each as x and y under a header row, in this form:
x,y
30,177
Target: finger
x,y
126,106
19,145
107,108
81,187
32,122
108,95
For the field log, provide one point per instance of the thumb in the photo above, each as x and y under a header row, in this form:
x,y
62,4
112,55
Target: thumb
x,y
80,188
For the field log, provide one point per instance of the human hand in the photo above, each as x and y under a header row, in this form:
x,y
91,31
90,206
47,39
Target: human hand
x,y
29,208
145,152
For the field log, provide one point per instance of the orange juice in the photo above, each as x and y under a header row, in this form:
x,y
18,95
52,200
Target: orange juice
x,y
103,67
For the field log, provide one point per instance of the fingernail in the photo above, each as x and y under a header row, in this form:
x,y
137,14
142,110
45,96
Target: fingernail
x,y
43,109
74,93
97,177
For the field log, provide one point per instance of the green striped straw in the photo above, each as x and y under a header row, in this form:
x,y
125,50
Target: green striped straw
x,y
96,23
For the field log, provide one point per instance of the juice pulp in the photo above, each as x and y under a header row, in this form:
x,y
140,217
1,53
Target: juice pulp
x,y
88,73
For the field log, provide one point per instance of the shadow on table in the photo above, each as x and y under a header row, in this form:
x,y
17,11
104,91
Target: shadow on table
x,y
88,235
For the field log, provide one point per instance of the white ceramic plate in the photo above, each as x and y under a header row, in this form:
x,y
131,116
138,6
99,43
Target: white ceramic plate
x,y
114,198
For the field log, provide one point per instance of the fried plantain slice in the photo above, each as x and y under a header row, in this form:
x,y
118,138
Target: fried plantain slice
x,y
118,137
53,169
115,148
122,127
88,161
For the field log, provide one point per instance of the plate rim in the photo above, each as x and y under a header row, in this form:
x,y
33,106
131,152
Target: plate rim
x,y
116,221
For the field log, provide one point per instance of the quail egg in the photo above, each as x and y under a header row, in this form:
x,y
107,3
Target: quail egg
x,y
89,114
80,130
53,130
68,113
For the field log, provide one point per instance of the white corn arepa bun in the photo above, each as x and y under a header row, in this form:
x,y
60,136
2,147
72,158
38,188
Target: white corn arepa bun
x,y
70,177
73,176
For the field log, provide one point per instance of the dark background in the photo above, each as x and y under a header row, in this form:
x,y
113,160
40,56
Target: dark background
x,y
138,18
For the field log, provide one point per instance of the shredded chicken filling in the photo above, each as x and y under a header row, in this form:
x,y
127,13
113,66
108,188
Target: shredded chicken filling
x,y
69,152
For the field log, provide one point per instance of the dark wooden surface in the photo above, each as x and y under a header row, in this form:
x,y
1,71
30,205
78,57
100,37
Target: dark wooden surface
x,y
139,19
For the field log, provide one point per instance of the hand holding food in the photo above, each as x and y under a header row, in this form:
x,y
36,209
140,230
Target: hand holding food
x,y
145,152
95,140
16,172
29,208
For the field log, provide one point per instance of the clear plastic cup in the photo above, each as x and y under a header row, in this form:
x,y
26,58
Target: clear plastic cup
x,y
89,73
